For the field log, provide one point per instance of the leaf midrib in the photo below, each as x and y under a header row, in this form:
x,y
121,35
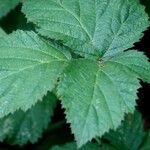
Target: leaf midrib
x,y
32,49
89,107
92,99
32,66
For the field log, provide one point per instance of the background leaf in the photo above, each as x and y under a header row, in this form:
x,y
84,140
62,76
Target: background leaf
x,y
72,146
21,127
6,6
130,134
146,143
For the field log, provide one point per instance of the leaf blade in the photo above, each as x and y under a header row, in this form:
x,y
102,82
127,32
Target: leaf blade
x,y
130,134
104,27
136,61
29,67
102,94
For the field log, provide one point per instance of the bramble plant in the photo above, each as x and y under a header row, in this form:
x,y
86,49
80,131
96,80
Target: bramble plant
x,y
81,53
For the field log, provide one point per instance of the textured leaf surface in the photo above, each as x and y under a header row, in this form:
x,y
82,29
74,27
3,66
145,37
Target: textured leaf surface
x,y
29,67
129,135
89,26
2,33
6,6
72,146
21,127
134,61
96,95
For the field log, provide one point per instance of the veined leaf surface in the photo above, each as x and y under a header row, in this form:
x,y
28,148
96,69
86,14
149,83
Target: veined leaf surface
x,y
97,95
89,27
29,67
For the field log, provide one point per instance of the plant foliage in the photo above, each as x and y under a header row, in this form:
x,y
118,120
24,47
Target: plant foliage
x,y
6,6
130,135
82,50
22,127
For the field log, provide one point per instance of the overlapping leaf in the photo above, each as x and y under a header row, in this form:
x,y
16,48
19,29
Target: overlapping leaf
x,y
146,143
21,127
96,95
29,67
129,135
6,6
89,27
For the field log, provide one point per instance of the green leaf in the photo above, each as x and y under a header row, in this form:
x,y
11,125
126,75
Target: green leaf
x,y
6,6
146,144
29,67
135,61
89,146
2,32
97,94
89,27
21,127
129,135
72,146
